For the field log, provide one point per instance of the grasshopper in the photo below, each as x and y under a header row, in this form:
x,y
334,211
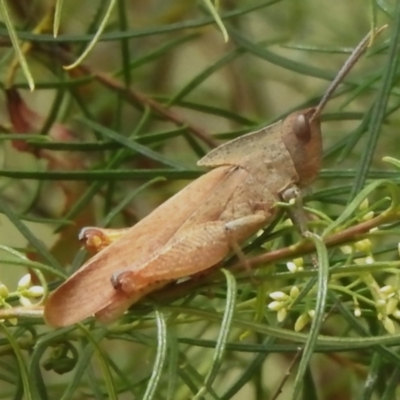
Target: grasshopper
x,y
196,228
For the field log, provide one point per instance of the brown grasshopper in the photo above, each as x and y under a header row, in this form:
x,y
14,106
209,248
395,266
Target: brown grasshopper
x,y
196,228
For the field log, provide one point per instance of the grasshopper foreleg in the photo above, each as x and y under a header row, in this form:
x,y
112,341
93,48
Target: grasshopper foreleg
x,y
297,213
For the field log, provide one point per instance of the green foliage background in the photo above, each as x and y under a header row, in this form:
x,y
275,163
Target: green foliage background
x,y
105,142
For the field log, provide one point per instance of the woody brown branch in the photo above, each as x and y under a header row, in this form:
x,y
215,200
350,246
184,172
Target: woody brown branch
x,y
349,235
133,95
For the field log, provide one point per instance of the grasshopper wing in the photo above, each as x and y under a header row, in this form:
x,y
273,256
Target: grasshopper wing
x,y
89,290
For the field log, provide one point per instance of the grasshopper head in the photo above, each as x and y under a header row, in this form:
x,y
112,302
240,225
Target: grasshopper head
x,y
301,130
301,133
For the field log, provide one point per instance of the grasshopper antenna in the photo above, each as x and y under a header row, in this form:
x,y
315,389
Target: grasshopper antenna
x,y
347,66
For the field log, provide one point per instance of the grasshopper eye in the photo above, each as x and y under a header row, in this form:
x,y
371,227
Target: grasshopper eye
x,y
301,128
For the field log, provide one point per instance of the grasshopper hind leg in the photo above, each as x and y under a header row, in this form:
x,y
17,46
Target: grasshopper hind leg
x,y
192,251
123,301
232,227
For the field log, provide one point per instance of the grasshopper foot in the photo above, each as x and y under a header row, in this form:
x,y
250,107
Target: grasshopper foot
x,y
93,238
96,239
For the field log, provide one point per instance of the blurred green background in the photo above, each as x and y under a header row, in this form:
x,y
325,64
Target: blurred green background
x,y
107,141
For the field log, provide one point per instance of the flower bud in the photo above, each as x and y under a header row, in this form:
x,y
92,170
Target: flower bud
x,y
364,205
368,216
369,260
346,249
3,291
387,290
301,322
35,291
25,282
291,266
357,312
281,314
389,325
380,303
391,305
299,261
276,305
294,292
278,295
288,222
363,245
25,302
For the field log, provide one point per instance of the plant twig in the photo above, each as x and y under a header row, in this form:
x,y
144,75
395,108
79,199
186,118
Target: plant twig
x,y
132,94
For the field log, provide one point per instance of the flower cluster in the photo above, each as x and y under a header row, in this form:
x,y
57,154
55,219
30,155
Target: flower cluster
x,y
281,301
26,292
386,302
385,299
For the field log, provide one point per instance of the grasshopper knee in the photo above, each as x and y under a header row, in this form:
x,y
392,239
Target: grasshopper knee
x,y
245,223
119,278
292,192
